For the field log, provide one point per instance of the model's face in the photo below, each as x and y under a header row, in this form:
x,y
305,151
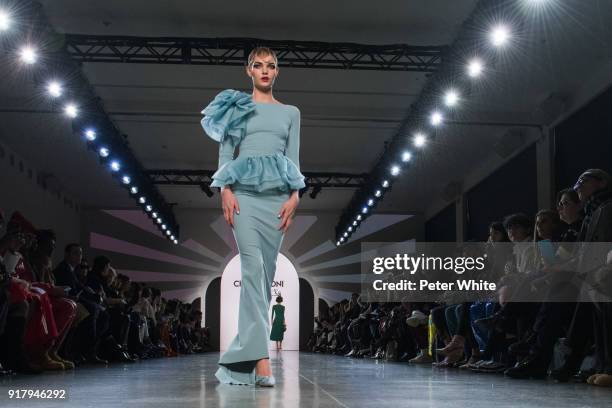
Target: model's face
x,y
263,71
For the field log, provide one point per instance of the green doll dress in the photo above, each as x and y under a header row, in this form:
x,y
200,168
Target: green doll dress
x,y
278,323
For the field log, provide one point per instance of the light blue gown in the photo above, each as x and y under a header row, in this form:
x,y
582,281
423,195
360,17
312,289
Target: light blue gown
x,y
262,176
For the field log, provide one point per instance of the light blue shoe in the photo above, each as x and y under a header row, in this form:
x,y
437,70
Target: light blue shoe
x,y
264,381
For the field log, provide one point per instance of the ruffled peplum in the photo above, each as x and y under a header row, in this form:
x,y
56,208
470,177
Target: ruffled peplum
x,y
227,115
259,173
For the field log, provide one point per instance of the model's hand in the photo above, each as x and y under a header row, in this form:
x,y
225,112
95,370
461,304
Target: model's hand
x,y
287,211
229,203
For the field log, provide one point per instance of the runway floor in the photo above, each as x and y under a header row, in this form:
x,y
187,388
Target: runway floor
x,y
303,380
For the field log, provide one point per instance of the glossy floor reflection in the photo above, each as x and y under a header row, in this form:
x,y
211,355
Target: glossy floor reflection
x,y
303,380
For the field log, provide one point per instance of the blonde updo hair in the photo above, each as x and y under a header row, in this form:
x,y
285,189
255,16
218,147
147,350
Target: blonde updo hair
x,y
261,51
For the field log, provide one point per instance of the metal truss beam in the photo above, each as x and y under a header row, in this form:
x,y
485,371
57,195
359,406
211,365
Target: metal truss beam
x,y
234,51
203,177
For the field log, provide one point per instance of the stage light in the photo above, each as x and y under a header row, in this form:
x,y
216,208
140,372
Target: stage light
x,y
451,98
90,135
104,152
349,229
500,35
5,20
341,239
115,166
134,190
475,68
354,223
345,234
172,237
71,110
364,210
419,140
406,156
436,118
385,183
149,208
377,193
159,220
163,226
175,242
337,243
142,200
168,232
54,89
371,202
126,180
28,55
154,214
395,170
359,217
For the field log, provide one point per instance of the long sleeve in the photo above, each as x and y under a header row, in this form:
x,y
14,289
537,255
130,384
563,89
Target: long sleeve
x,y
292,148
226,152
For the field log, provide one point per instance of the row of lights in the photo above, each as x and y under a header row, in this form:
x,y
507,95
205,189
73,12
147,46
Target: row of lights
x,y
28,55
499,36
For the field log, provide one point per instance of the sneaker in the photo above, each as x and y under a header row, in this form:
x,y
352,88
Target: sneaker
x,y
421,358
417,319
492,367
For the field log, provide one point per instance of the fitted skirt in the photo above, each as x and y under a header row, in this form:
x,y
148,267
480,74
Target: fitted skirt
x,y
258,239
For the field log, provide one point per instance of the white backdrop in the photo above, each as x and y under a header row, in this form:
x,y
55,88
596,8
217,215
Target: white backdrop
x,y
285,282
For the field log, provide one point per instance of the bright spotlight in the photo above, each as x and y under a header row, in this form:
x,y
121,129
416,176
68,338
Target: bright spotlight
x,y
419,140
406,156
451,98
71,110
354,223
5,20
103,152
349,229
149,208
28,55
159,221
142,200
172,237
126,180
500,35
341,239
378,193
475,68
370,202
54,89
436,118
175,242
115,166
154,214
364,210
345,234
90,135
385,183
359,217
134,190
168,232
395,170
337,243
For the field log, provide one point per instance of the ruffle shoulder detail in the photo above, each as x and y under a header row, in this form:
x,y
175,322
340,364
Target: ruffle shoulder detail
x,y
259,173
227,115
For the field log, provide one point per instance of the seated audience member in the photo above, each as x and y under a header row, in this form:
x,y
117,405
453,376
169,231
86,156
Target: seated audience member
x,y
592,317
